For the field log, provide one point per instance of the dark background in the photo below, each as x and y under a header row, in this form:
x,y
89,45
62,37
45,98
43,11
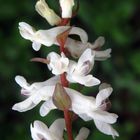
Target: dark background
x,y
118,21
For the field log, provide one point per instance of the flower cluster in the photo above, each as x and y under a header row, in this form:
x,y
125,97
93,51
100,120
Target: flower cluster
x,y
54,93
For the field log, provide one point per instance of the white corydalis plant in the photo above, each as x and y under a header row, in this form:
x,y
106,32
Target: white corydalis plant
x,y
66,70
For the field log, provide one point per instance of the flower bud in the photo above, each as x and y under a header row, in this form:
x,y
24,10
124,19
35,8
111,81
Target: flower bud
x,y
43,9
60,98
67,6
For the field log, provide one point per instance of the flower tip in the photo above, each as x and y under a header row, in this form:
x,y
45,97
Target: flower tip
x,y
15,107
116,134
42,113
83,134
96,81
20,80
104,85
109,50
18,107
23,25
116,116
85,131
100,41
36,122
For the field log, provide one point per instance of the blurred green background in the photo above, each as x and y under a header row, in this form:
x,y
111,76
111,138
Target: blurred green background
x,y
118,21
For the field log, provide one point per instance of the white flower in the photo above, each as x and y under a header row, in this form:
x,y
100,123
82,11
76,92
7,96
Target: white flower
x,y
58,64
78,72
89,108
48,37
43,9
40,131
35,92
76,48
66,6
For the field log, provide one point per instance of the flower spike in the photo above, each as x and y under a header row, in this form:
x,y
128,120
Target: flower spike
x,y
55,93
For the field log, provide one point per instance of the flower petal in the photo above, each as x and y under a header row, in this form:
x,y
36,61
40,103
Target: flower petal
x,y
37,85
44,93
50,82
83,134
25,105
36,46
99,42
40,131
20,80
106,128
82,34
58,64
104,86
102,55
103,116
57,128
75,47
102,95
85,117
26,30
88,55
46,107
81,104
88,80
